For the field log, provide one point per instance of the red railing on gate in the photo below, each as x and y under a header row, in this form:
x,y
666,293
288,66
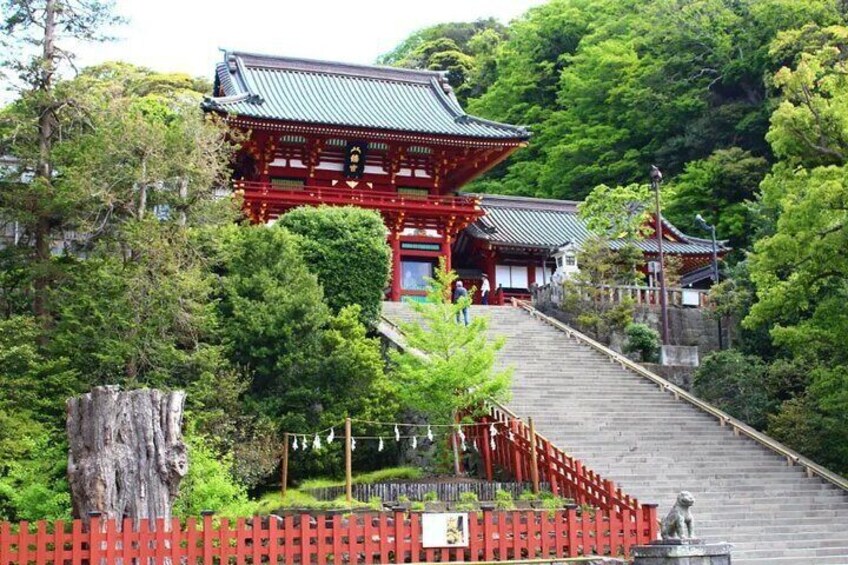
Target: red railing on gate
x,y
566,475
321,539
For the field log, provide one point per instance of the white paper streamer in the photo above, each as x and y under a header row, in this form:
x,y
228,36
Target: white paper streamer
x,y
353,444
414,442
294,443
397,433
316,443
380,446
492,444
429,433
331,436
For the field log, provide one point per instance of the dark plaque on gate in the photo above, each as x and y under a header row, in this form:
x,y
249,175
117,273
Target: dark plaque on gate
x,y
354,163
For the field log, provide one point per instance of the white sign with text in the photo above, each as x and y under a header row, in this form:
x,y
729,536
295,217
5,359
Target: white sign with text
x,y
448,529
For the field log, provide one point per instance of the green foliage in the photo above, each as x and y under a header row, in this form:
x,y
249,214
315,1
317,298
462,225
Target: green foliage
x,y
735,383
816,422
643,340
465,51
455,373
586,297
33,484
431,496
618,213
611,87
209,485
503,500
720,188
389,474
467,501
308,368
346,249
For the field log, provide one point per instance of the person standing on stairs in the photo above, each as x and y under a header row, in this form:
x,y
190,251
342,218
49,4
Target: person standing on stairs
x,y
459,293
484,290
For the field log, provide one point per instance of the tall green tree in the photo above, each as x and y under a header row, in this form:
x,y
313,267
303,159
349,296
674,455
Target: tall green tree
x,y
36,39
448,369
346,248
800,270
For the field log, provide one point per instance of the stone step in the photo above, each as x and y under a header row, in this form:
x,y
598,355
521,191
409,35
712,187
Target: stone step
x,y
652,445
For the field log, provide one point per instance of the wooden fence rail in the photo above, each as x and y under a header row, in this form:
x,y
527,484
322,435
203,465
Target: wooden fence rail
x,y
566,475
444,492
321,539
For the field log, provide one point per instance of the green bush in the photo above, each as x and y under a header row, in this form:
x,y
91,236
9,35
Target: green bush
x,y
467,501
33,487
431,496
643,340
737,384
209,484
346,249
503,500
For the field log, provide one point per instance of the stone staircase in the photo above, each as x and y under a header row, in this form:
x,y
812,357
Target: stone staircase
x,y
624,427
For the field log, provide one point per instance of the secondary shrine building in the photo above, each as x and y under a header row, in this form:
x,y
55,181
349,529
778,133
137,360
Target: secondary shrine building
x,y
397,141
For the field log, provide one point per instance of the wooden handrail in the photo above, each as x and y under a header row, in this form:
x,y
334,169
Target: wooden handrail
x,y
792,456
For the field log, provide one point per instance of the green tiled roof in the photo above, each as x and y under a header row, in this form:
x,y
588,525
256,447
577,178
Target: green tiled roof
x,y
512,221
318,92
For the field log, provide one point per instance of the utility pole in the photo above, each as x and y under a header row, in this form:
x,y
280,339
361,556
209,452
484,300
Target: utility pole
x,y
656,181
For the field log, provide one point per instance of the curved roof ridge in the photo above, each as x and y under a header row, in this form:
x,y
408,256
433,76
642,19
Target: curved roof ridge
x,y
378,72
512,201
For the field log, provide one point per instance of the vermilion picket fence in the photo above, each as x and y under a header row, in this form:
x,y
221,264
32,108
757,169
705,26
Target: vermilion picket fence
x,y
321,539
566,475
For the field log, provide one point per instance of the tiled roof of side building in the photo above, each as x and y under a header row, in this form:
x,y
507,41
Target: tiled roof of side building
x,y
338,94
514,221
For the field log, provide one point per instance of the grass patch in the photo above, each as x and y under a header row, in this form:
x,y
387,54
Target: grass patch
x,y
379,476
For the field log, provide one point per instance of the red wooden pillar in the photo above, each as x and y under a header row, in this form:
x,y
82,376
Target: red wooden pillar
x,y
487,451
518,464
396,274
446,251
489,268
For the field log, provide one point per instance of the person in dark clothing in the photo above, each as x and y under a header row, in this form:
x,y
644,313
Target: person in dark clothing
x,y
458,293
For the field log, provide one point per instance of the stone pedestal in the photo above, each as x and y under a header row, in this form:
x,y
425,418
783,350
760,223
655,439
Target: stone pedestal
x,y
682,552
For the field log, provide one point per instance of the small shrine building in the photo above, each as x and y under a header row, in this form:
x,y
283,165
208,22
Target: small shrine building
x,y
398,142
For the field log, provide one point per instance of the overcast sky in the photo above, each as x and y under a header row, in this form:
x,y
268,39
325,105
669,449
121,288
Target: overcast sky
x,y
185,35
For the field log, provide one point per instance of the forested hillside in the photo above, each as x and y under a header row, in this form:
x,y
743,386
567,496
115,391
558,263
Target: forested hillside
x,y
744,106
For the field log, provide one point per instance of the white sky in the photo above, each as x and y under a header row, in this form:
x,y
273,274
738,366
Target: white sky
x,y
184,35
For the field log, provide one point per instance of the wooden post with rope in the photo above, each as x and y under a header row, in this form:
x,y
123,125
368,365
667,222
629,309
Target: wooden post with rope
x,y
534,463
348,465
284,471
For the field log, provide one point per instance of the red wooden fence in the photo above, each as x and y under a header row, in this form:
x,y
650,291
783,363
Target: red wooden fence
x,y
567,476
321,539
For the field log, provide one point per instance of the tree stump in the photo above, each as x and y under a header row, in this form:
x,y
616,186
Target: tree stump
x,y
127,455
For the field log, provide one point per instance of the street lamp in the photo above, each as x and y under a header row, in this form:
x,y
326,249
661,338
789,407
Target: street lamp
x,y
656,181
702,223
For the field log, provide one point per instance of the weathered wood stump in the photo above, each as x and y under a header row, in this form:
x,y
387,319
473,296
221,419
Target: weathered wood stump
x,y
127,456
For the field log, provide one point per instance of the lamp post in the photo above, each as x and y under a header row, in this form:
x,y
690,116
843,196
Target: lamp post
x,y
702,223
656,181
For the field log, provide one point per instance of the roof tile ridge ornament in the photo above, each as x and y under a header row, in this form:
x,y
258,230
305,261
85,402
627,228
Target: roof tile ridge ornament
x,y
220,101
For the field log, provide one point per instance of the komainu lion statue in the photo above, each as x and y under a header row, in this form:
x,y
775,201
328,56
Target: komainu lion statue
x,y
678,523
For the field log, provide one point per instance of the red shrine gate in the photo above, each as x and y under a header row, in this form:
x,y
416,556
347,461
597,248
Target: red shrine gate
x,y
393,140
